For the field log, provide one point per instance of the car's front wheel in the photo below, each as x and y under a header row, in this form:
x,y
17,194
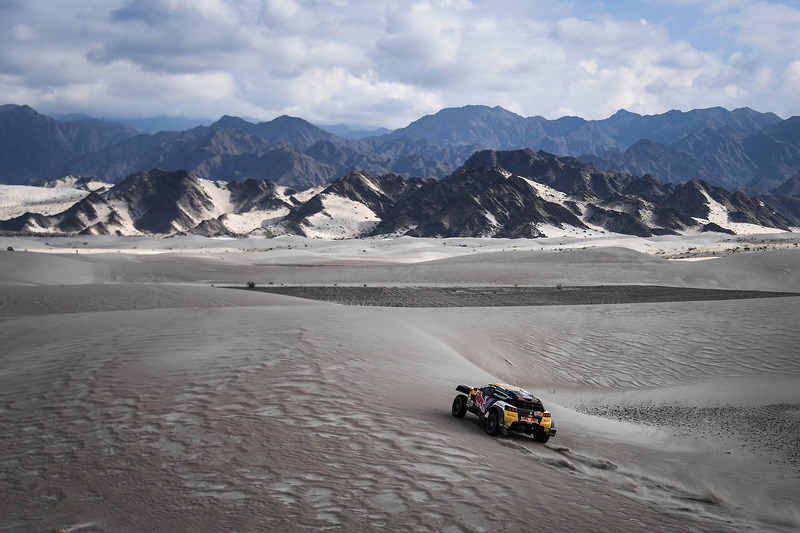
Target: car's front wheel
x,y
460,406
492,424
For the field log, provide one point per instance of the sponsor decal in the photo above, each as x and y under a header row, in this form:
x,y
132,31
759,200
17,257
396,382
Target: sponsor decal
x,y
479,399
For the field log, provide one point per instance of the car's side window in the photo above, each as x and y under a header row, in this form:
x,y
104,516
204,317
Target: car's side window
x,y
488,398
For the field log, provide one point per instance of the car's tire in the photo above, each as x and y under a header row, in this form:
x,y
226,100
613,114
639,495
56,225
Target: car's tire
x,y
460,406
540,436
492,423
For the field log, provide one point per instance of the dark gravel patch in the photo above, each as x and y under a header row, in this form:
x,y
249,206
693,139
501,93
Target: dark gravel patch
x,y
510,296
770,430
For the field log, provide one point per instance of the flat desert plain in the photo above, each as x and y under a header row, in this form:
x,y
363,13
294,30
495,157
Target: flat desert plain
x,y
144,387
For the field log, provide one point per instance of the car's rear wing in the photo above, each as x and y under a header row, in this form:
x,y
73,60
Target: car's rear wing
x,y
464,389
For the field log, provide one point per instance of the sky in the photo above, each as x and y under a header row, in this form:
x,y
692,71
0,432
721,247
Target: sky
x,y
386,63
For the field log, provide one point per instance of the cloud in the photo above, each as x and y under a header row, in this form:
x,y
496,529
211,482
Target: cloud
x,y
387,62
160,12
346,98
425,33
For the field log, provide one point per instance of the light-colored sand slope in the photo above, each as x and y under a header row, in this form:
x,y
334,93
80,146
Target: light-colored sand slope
x,y
185,407
382,263
268,418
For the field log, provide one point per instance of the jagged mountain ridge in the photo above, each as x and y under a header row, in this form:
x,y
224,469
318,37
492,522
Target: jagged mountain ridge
x,y
496,194
727,156
732,149
33,146
258,152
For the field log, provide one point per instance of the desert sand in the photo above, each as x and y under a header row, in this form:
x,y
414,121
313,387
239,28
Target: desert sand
x,y
137,393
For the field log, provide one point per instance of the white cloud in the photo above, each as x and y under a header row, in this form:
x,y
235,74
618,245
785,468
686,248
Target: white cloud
x,y
426,33
764,27
157,12
345,98
386,62
281,9
24,33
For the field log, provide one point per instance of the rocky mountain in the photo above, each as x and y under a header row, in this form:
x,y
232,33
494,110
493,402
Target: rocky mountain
x,y
158,202
286,150
667,128
481,202
285,130
732,149
349,132
33,146
565,174
507,194
785,199
729,156
499,129
657,159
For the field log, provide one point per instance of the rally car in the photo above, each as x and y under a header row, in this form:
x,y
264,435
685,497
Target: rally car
x,y
504,408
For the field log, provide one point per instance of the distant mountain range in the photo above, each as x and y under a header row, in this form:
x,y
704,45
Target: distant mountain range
x,y
740,149
518,193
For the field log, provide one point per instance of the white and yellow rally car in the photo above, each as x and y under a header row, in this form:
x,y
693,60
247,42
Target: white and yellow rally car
x,y
504,408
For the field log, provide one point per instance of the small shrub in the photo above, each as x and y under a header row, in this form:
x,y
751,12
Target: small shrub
x,y
559,287
251,284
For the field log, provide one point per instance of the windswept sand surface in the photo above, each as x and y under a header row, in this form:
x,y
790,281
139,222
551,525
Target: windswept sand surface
x,y
137,394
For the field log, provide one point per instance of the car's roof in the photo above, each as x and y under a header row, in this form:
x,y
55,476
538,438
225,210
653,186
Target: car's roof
x,y
517,392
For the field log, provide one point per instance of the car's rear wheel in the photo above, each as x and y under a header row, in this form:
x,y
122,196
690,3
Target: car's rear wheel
x,y
492,424
539,435
460,406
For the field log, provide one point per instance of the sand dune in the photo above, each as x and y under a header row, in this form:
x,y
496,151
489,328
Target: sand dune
x,y
136,394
